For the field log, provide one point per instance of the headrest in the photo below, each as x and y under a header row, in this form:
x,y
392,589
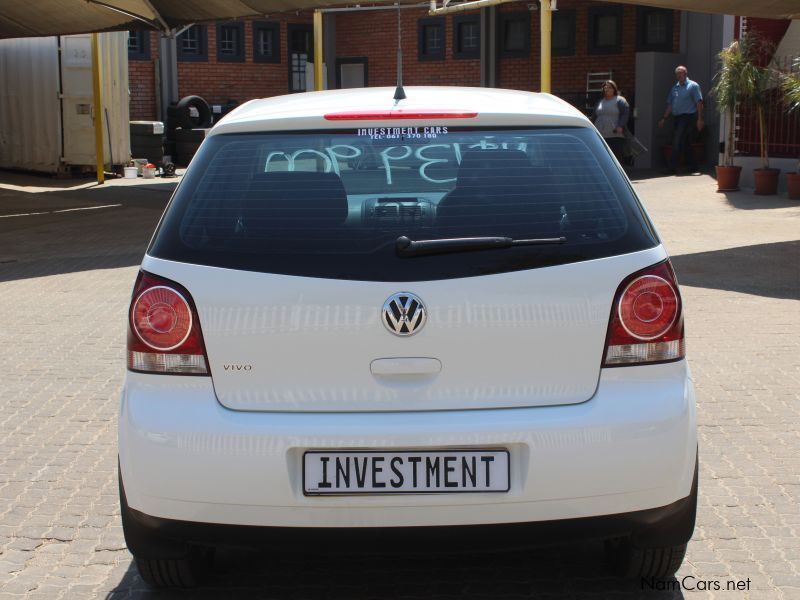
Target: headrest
x,y
479,165
298,196
308,180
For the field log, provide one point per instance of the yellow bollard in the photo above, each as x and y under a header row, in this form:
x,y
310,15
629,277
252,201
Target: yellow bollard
x,y
98,111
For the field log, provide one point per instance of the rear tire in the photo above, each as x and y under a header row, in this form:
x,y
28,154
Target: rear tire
x,y
633,563
176,572
658,551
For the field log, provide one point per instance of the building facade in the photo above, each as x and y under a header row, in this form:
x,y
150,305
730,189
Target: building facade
x,y
233,62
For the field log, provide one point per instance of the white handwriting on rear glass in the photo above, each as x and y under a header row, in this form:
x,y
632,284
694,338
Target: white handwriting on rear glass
x,y
442,155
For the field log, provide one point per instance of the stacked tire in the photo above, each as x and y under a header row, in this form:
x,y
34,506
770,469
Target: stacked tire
x,y
192,112
187,141
147,140
188,123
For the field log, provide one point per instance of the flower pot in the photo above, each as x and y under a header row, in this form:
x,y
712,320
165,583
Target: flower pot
x,y
728,178
793,185
766,181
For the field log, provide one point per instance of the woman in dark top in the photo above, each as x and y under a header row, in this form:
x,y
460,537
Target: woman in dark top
x,y
611,118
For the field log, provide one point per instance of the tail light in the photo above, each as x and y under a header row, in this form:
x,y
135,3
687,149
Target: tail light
x,y
163,329
646,324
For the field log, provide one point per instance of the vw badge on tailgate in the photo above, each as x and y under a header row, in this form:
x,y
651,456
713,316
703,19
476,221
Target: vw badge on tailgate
x,y
404,314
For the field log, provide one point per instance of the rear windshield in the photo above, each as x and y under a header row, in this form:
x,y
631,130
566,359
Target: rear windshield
x,y
333,203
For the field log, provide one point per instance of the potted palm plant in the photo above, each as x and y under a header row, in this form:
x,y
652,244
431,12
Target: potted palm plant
x,y
728,92
791,91
759,81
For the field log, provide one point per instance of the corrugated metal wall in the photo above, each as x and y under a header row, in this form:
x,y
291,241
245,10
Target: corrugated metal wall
x,y
30,111
116,96
33,118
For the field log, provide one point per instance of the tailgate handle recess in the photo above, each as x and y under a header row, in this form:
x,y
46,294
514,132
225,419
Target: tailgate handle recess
x,y
405,366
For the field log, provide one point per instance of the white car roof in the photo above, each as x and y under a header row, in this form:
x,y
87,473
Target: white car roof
x,y
494,107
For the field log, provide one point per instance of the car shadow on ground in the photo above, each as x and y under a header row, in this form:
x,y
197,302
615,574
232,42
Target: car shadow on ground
x,y
570,571
770,270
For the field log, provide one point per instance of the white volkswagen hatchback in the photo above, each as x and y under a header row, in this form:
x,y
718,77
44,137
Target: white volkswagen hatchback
x,y
446,318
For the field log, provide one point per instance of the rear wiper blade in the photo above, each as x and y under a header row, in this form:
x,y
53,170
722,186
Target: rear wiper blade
x,y
407,248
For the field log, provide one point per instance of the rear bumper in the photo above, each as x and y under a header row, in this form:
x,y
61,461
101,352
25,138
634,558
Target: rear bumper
x,y
669,525
631,448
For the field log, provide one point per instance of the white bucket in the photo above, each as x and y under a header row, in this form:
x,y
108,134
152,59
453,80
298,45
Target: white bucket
x,y
149,172
131,172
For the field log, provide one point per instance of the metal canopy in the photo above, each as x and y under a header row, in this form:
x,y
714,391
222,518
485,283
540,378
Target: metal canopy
x,y
27,18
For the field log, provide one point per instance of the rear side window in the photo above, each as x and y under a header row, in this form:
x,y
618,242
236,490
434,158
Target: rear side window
x,y
333,203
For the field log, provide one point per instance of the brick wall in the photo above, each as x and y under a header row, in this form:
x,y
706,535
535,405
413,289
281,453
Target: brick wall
x,y
222,82
373,35
142,84
568,74
217,82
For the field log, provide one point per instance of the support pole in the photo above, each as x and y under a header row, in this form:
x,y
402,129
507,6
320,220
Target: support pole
x,y
318,50
97,101
547,26
167,76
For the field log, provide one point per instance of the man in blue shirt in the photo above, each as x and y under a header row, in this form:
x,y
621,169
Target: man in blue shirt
x,y
685,104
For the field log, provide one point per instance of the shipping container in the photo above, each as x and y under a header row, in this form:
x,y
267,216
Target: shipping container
x,y
47,108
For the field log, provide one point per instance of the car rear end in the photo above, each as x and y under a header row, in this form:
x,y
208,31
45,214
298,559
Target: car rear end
x,y
292,369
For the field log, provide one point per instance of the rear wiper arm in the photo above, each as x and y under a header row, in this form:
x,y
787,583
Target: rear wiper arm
x,y
407,248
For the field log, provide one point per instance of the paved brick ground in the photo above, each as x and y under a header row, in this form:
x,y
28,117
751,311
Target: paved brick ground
x,y
65,278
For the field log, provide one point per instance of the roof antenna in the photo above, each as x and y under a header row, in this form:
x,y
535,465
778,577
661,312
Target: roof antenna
x,y
399,92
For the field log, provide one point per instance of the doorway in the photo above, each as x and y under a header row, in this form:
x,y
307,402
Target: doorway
x,y
301,51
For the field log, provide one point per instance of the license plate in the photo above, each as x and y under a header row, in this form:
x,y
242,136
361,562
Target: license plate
x,y
405,472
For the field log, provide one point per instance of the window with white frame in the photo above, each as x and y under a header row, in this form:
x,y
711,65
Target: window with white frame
x,y
192,44
430,38
230,42
467,36
266,41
